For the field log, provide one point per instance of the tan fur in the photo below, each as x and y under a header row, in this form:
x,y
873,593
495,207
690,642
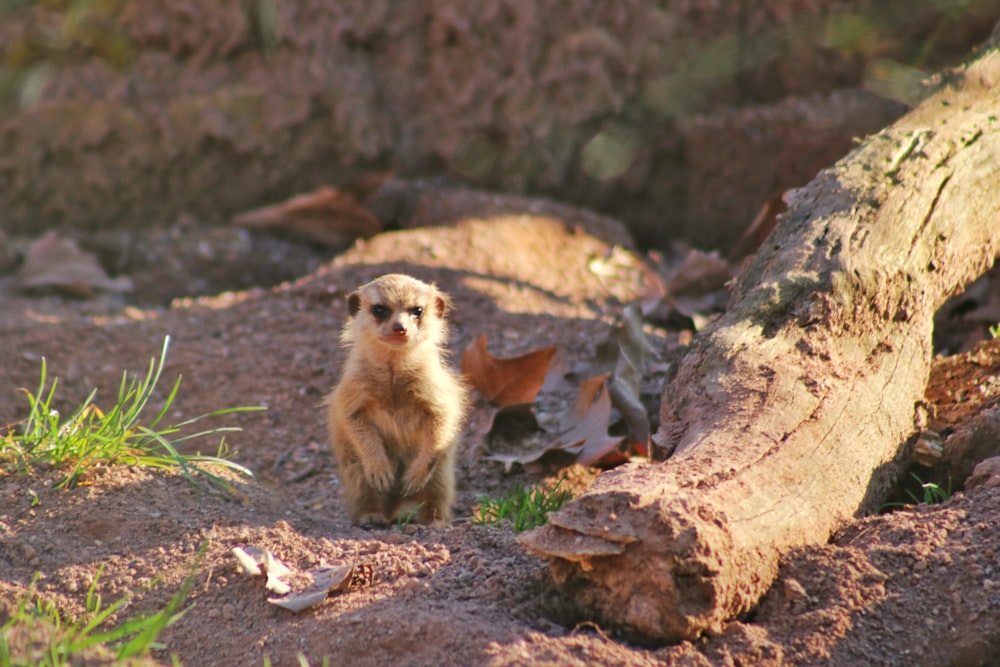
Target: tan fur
x,y
396,414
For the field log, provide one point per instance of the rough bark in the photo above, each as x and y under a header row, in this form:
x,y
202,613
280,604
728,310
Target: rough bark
x,y
787,415
157,110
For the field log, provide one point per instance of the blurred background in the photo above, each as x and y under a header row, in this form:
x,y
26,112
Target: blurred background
x,y
681,117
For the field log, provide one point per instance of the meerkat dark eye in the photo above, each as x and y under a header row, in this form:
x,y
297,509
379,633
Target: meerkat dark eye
x,y
381,312
416,311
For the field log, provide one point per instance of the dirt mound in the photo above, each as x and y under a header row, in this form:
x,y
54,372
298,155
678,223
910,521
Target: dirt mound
x,y
902,588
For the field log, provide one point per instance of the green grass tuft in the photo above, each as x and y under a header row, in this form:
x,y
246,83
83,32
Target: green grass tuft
x,y
37,634
90,437
523,508
930,494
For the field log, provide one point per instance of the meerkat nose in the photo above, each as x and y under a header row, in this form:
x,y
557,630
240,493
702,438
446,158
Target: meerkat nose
x,y
398,328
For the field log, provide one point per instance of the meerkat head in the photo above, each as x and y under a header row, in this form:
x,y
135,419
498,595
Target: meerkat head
x,y
397,311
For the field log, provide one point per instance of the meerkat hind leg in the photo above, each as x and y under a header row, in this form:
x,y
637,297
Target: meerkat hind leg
x,y
434,500
406,510
367,506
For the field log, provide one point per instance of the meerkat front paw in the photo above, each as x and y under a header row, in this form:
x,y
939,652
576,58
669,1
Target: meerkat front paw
x,y
380,475
418,474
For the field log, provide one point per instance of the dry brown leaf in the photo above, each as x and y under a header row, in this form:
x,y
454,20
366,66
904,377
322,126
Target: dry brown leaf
x,y
586,394
506,381
584,432
276,572
761,226
327,216
700,273
629,350
56,263
559,368
326,579
588,439
696,290
299,601
654,288
256,561
250,559
624,389
367,184
336,578
490,426
628,336
539,461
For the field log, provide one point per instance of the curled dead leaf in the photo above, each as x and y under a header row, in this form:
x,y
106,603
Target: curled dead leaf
x,y
250,559
700,273
586,394
584,431
506,381
630,351
58,264
761,226
256,561
588,437
326,580
327,216
273,566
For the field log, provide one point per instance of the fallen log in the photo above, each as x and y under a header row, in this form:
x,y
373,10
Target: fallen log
x,y
787,415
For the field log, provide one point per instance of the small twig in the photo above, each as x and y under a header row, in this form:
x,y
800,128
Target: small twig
x,y
915,142
308,472
592,626
856,536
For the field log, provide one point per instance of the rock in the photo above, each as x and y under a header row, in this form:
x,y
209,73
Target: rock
x,y
985,474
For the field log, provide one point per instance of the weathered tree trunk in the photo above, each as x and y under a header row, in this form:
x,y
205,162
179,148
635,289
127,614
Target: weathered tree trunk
x,y
787,415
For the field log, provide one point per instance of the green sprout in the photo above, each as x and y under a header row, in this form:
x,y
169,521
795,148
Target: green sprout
x,y
90,436
523,507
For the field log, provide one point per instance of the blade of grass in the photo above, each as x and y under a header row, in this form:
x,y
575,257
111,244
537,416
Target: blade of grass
x,y
90,437
62,643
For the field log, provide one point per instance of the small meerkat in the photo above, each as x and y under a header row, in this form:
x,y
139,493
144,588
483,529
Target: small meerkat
x,y
395,417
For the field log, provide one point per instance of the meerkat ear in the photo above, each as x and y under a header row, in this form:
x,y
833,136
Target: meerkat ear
x,y
442,304
353,303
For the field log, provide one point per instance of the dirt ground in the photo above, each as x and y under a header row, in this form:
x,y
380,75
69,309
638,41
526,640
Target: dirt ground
x,y
903,588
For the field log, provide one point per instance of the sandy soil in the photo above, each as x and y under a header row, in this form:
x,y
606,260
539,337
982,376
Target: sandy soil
x,y
904,588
